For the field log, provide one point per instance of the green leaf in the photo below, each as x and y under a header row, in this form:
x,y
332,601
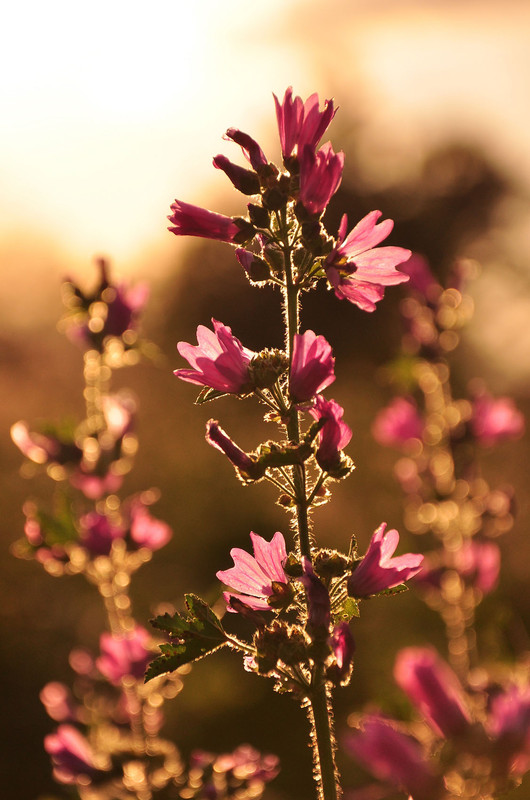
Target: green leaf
x,y
197,632
349,609
206,394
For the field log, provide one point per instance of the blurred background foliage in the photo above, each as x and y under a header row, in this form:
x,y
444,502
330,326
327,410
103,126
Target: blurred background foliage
x,y
451,196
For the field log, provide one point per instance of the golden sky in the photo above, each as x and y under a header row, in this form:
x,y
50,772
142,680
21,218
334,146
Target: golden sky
x,y
115,107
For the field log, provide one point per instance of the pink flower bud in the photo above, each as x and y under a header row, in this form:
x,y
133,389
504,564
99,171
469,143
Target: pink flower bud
x,y
320,177
190,220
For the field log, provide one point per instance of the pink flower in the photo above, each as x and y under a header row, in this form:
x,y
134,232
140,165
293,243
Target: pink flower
x,y
378,571
71,755
320,177
98,533
312,366
219,361
300,123
357,269
394,757
189,220
44,448
494,420
147,531
256,576
434,689
398,423
124,656
333,436
58,702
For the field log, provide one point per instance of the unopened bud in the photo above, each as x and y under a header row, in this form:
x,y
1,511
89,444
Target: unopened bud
x,y
266,367
258,215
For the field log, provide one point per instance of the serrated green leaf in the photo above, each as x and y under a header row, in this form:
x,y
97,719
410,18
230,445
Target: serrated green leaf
x,y
197,632
348,610
206,394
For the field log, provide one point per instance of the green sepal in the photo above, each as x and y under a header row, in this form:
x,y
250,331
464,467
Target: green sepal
x,y
348,610
401,587
206,394
197,632
58,528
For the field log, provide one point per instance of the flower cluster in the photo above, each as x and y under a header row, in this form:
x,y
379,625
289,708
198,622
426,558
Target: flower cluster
x,y
290,204
484,746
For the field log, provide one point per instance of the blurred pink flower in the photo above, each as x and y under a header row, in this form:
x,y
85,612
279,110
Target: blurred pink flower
x,y
320,177
421,277
378,571
147,531
256,575
357,269
219,360
43,448
396,424
509,724
98,533
58,701
190,220
333,436
71,755
434,689
394,757
312,366
300,123
495,419
477,563
124,656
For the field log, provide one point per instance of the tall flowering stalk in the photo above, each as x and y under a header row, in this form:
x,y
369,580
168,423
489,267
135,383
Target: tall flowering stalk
x,y
311,593
474,741
108,743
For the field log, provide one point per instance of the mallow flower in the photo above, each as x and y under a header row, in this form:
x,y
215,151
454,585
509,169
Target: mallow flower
x,y
219,360
312,366
357,269
124,656
259,581
378,570
300,123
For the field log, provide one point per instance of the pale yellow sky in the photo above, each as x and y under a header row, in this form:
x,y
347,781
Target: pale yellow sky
x,y
112,109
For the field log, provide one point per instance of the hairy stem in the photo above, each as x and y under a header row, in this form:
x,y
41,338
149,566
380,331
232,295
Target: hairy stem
x,y
320,711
